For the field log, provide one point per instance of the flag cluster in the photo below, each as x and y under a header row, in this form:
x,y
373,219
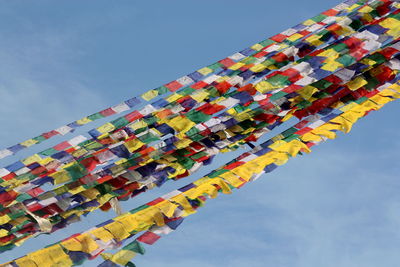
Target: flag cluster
x,y
326,72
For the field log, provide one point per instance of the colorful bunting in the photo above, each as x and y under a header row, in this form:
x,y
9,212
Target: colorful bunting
x,y
327,72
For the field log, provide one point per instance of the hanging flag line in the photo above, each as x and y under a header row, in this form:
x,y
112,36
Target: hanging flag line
x,y
166,212
362,80
351,59
359,94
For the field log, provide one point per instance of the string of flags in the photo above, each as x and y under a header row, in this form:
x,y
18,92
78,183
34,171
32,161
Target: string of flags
x,y
84,198
326,72
164,214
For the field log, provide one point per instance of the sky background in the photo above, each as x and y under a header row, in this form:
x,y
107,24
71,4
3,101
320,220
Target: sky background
x,y
62,60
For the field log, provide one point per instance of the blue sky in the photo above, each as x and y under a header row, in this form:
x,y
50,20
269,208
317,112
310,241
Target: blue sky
x,y
62,60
